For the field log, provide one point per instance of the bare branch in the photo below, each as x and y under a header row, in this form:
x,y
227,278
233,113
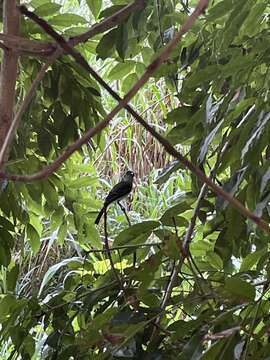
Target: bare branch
x,y
23,45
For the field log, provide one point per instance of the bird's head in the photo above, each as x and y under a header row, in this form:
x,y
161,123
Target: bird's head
x,y
129,175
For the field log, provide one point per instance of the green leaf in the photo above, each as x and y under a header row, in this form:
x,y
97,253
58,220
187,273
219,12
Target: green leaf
x,y
255,17
129,81
214,260
214,351
252,259
193,348
12,277
44,142
66,20
221,9
106,45
47,9
121,69
5,255
183,204
240,289
234,22
110,11
122,40
148,298
205,75
83,182
137,233
94,6
8,304
33,237
208,140
53,269
6,224
62,232
93,236
180,115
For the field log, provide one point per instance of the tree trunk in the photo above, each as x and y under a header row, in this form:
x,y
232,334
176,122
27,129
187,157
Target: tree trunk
x,y
8,76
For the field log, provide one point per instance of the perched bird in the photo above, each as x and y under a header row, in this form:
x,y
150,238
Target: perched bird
x,y
118,192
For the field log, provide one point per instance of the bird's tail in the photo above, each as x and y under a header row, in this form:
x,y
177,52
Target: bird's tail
x,y
99,215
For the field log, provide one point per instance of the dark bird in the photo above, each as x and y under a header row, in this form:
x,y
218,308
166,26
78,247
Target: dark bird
x,y
118,192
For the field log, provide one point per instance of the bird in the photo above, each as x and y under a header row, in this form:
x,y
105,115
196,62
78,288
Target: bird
x,y
118,192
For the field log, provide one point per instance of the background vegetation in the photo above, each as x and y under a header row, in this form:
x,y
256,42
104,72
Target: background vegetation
x,y
199,285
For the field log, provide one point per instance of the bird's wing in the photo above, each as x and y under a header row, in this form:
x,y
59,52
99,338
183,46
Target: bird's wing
x,y
119,191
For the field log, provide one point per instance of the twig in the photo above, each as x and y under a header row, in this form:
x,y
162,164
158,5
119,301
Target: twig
x,y
108,251
222,334
131,246
108,23
196,278
125,213
123,103
188,236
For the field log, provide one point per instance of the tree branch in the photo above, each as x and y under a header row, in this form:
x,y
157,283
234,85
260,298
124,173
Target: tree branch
x,y
108,23
40,48
23,45
8,70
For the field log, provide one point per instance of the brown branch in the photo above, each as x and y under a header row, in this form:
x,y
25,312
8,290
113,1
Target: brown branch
x,y
23,45
108,23
222,334
123,103
3,47
8,70
34,47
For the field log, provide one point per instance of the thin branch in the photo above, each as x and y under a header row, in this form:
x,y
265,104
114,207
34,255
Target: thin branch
x,y
123,103
222,334
108,23
189,233
125,213
108,250
116,248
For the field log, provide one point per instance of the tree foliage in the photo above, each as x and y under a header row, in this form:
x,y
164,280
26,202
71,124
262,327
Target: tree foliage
x,y
59,296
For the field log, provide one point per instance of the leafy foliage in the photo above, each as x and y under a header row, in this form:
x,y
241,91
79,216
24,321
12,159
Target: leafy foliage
x,y
59,296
